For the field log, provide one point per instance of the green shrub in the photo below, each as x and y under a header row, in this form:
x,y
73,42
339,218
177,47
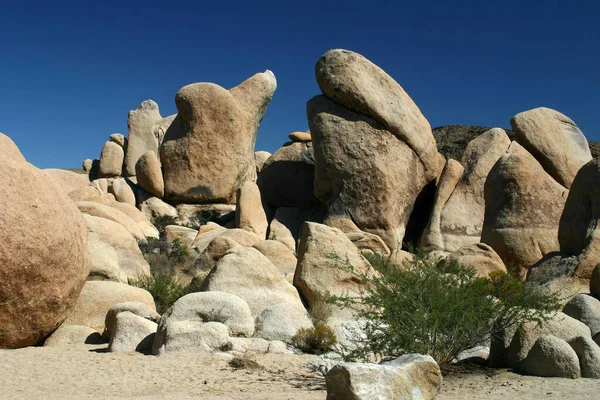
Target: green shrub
x,y
317,340
422,309
321,308
164,288
161,222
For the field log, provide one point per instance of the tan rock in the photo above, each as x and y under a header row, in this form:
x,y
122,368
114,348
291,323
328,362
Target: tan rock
x,y
279,254
578,233
287,177
461,219
246,273
135,307
69,335
285,226
153,207
372,175
132,333
97,297
149,174
260,157
523,205
249,212
122,192
552,356
554,140
481,257
300,137
44,257
186,236
111,160
216,249
213,123
119,139
67,180
141,137
361,86
112,214
87,165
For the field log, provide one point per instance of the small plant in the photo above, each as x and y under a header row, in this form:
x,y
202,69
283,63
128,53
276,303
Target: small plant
x,y
243,362
164,288
321,308
203,217
317,340
421,309
161,222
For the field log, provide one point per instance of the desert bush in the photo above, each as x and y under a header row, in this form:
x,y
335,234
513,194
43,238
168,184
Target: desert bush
x,y
164,288
321,309
317,340
419,308
243,362
161,222
203,217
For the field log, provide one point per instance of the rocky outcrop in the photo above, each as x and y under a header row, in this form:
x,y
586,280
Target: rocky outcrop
x,y
285,226
136,308
149,174
132,333
111,160
554,140
212,125
523,205
412,376
141,137
67,181
452,140
585,308
287,177
553,357
44,257
462,213
249,212
578,233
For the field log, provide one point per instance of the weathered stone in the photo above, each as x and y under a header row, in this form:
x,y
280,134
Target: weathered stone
x,y
285,226
111,214
216,249
67,181
561,325
260,157
578,233
119,139
135,307
87,165
132,333
282,321
153,207
212,125
586,309
189,335
246,273
595,282
97,297
522,209
412,376
111,160
374,177
249,212
554,140
287,177
589,356
361,86
556,273
222,213
461,219
481,257
122,191
249,345
69,335
138,217
101,184
551,356
186,236
279,254
303,137
141,137
149,174
44,257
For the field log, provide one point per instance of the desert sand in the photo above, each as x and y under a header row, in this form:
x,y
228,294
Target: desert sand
x,y
88,372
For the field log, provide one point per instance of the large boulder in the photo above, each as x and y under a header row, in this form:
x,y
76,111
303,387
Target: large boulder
x,y
578,232
69,335
122,191
586,309
98,297
246,273
481,257
111,160
279,254
112,214
553,357
67,180
412,376
523,205
149,174
363,172
357,84
554,140
287,177
153,207
44,257
132,333
141,137
462,214
212,125
589,356
249,212
285,226
134,307
282,321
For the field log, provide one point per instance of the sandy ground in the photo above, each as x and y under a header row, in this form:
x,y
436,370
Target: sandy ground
x,y
87,372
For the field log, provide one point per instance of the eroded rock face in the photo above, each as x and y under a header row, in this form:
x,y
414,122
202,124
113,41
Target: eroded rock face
x,y
578,233
111,160
44,257
461,217
551,356
523,205
249,212
149,174
356,83
412,376
372,176
208,151
555,141
141,137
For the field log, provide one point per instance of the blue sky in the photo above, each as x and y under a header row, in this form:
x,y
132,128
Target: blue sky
x,y
71,71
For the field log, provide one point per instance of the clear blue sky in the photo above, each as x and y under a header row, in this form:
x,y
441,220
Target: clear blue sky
x,y
71,71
